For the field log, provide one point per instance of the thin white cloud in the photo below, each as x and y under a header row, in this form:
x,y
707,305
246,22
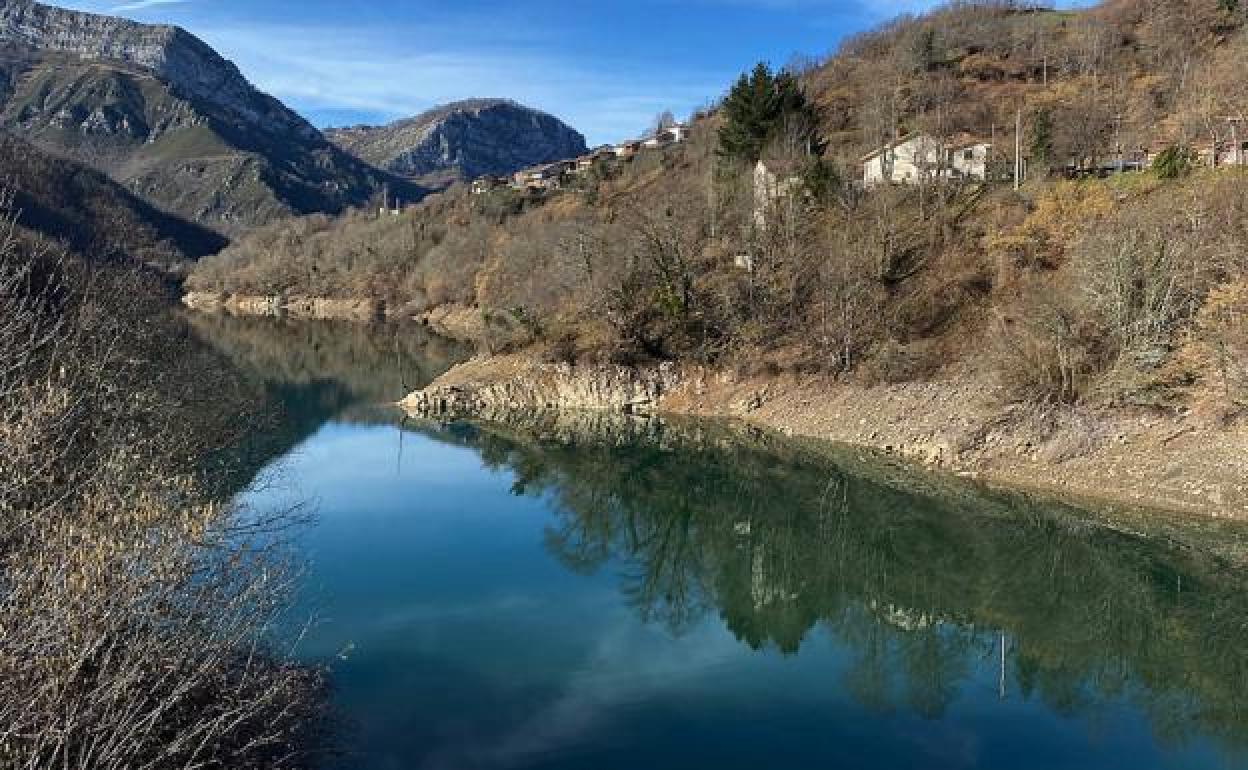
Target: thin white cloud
x,y
140,5
312,68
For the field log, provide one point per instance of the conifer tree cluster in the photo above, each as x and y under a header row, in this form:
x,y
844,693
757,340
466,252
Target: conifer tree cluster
x,y
759,104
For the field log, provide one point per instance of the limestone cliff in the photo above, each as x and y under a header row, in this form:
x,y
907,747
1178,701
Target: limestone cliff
x,y
464,140
160,111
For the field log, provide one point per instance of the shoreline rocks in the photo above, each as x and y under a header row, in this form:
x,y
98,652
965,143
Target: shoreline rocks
x,y
277,306
550,387
956,427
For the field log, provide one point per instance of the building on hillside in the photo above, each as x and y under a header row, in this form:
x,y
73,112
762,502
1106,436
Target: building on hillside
x,y
674,134
586,163
1236,154
1223,153
486,184
679,132
770,189
542,178
920,157
626,150
969,157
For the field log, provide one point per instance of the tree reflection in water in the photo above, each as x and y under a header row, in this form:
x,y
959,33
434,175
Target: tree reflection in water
x,y
922,578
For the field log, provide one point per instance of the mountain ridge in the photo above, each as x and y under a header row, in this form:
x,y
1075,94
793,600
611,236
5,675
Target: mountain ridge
x,y
164,114
463,140
168,51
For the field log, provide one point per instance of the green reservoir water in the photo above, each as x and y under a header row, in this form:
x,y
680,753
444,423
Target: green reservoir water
x,y
586,593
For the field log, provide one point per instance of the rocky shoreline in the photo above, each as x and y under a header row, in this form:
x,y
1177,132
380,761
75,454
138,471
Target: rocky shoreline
x,y
279,306
958,425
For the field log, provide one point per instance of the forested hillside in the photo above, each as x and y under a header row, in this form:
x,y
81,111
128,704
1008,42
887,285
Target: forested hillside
x,y
1127,289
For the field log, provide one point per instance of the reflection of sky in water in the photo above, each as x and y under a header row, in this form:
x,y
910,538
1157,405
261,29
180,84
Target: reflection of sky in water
x,y
470,646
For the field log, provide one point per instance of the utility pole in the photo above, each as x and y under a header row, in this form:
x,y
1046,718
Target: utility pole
x,y
1001,676
1018,151
992,153
1118,142
1239,148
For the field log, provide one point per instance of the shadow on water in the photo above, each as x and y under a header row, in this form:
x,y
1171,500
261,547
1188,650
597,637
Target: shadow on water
x,y
921,577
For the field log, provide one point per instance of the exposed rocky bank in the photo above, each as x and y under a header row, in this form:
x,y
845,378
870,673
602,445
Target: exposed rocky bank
x,y
959,425
280,306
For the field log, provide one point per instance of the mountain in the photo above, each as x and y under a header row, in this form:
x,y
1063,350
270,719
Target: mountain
x,y
463,140
161,112
94,216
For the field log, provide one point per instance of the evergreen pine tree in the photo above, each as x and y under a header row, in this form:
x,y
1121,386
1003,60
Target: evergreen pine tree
x,y
756,107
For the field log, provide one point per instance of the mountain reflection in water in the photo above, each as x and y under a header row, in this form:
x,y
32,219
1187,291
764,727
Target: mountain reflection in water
x,y
586,592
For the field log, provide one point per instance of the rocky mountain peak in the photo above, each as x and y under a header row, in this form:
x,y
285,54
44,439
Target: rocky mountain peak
x,y
172,53
464,140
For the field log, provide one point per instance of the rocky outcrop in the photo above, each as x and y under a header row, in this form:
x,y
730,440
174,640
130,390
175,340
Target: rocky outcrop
x,y
170,52
159,111
464,140
538,387
961,425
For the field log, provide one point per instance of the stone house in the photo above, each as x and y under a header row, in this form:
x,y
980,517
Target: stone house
x,y
770,189
543,178
919,157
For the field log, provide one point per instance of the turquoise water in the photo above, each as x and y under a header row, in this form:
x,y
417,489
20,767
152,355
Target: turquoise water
x,y
690,595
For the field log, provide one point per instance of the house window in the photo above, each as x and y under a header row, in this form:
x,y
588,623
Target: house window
x,y
1243,146
968,155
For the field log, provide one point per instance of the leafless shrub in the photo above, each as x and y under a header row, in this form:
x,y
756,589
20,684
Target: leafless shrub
x,y
1045,349
1217,351
134,615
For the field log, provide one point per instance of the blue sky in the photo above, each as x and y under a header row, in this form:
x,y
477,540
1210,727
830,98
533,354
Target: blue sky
x,y
607,68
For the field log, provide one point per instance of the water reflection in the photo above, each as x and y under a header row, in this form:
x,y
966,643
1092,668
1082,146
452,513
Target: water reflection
x,y
583,592
312,372
920,589
323,368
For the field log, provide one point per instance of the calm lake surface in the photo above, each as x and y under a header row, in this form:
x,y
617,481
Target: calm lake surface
x,y
593,594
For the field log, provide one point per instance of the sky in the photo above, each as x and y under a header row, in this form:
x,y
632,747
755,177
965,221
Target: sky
x,y
605,67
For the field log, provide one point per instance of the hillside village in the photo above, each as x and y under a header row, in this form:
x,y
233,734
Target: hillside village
x,y
910,159
940,187
549,177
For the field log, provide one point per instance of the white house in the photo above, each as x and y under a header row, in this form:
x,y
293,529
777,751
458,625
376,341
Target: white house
x,y
969,157
918,157
677,132
673,134
626,150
